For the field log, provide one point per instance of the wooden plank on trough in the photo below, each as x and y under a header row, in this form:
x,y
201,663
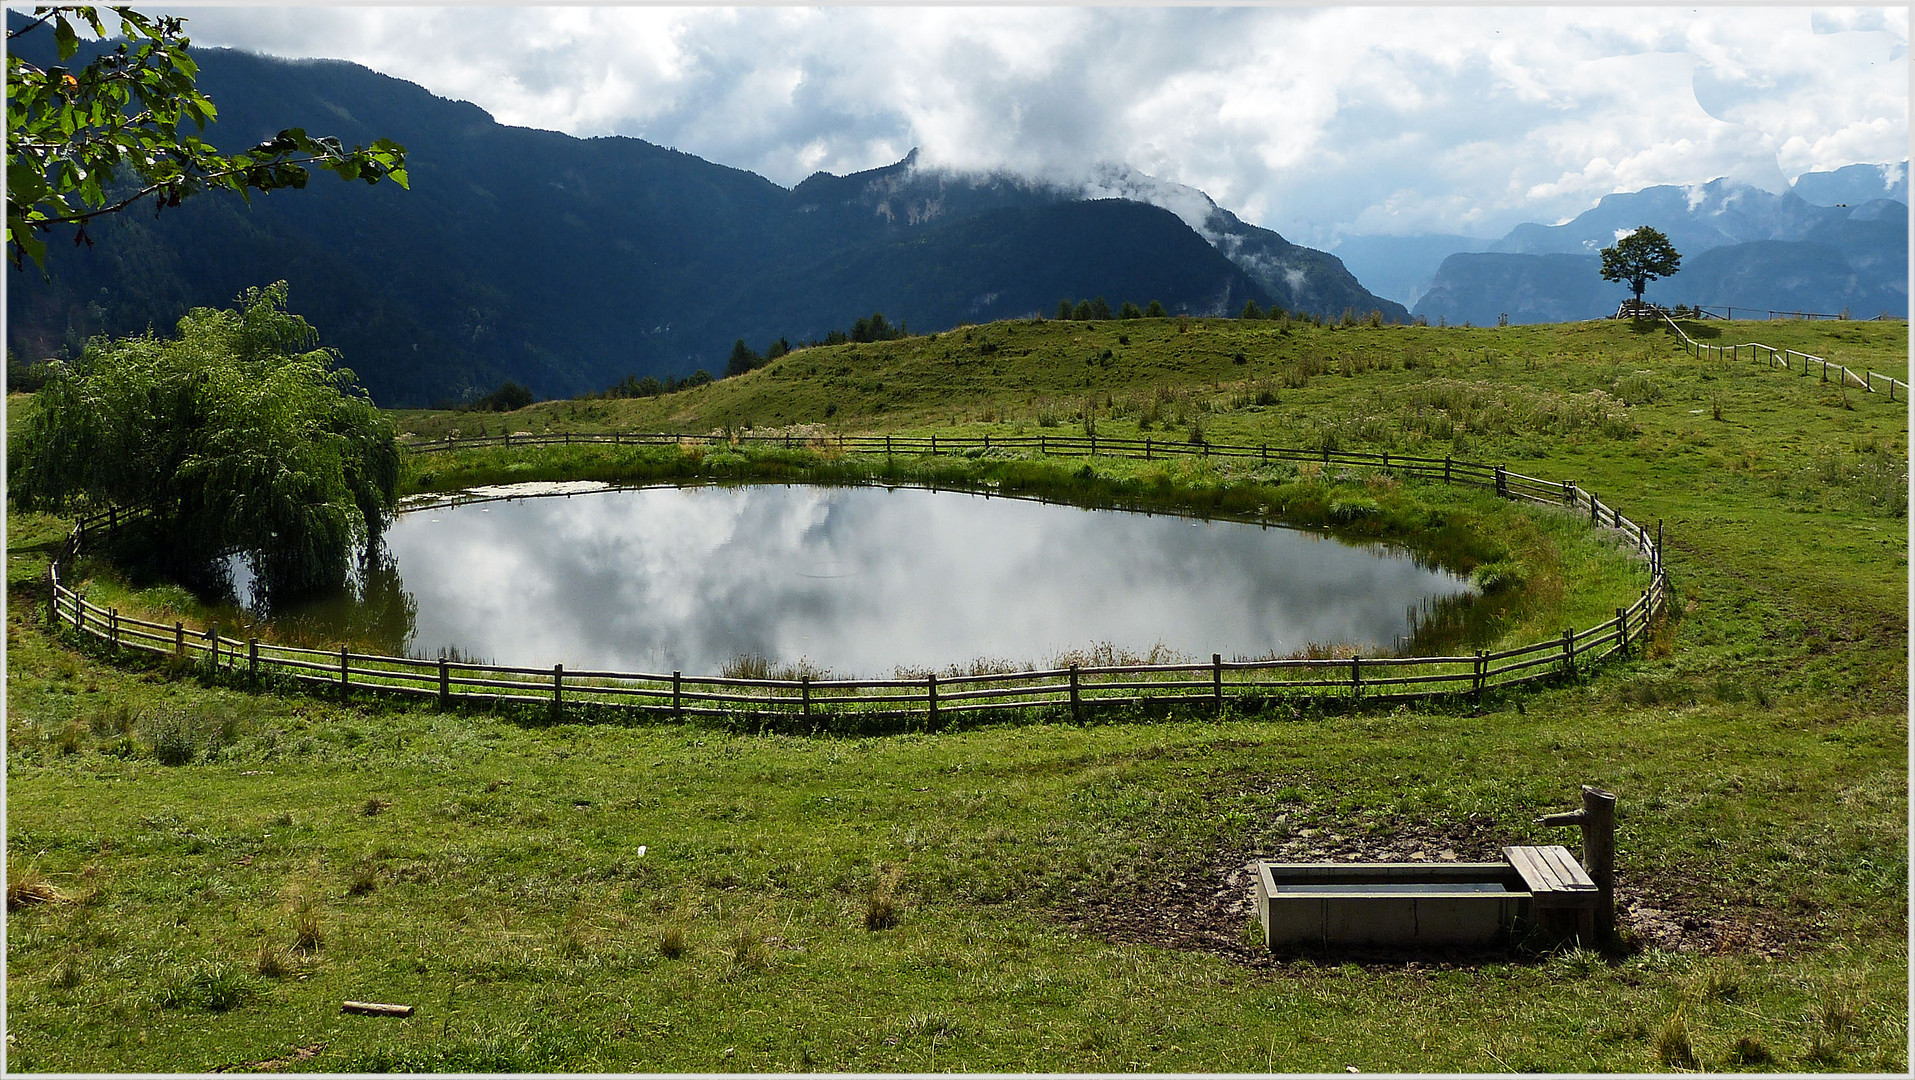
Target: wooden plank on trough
x,y
1567,869
1536,873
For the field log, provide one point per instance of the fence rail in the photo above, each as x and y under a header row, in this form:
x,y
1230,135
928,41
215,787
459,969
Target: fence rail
x,y
1790,360
1077,688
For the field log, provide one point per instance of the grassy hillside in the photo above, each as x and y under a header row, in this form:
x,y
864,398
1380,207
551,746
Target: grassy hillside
x,y
204,874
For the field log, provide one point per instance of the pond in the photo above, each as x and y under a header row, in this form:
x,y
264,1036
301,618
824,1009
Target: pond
x,y
868,581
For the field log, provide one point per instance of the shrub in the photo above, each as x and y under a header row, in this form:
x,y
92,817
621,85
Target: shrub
x,y
509,397
1499,575
240,430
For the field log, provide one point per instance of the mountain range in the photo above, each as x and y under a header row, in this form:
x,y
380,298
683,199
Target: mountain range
x,y
567,264
1836,241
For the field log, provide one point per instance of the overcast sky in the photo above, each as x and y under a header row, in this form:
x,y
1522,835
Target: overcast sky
x,y
1315,121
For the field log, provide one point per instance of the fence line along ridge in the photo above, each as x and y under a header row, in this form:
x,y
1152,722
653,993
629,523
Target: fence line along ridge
x,y
1781,357
1078,688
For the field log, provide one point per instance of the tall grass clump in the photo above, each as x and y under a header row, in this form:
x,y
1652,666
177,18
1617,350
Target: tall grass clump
x,y
183,736
1671,1044
213,985
26,885
881,902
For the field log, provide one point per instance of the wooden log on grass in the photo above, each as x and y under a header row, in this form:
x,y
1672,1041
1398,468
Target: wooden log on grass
x,y
374,1008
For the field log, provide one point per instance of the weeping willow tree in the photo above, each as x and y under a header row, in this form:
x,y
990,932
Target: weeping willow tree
x,y
241,433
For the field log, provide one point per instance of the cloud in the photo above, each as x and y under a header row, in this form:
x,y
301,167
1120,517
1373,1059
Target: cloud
x,y
1315,121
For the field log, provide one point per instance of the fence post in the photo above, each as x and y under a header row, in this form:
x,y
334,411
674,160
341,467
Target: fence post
x,y
53,598
887,446
1481,673
1146,448
931,695
1595,506
1446,469
445,683
212,643
342,671
1502,481
1356,676
1077,705
179,639
1622,631
804,695
1216,681
1569,651
678,707
987,444
1043,444
252,659
934,445
113,627
558,689
1569,493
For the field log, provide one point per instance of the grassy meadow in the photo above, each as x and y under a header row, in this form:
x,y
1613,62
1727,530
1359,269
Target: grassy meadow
x,y
199,875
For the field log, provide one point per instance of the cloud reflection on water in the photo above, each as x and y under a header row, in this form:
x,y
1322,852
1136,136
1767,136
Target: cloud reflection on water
x,y
862,580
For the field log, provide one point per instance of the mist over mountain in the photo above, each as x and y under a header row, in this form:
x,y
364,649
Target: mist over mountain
x,y
1741,246
1696,218
1854,184
567,264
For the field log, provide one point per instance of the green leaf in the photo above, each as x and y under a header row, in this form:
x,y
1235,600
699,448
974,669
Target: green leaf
x,y
64,38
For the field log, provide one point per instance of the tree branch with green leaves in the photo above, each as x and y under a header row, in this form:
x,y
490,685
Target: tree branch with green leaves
x,y
78,140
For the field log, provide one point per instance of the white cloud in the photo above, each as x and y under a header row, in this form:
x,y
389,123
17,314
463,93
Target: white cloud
x,y
1315,121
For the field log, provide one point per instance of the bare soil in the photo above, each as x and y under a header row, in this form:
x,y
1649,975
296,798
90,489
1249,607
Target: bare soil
x,y
1212,908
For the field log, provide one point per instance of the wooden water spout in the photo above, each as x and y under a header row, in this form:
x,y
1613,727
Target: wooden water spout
x,y
1598,821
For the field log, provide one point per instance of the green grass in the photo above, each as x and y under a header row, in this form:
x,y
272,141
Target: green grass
x,y
1044,896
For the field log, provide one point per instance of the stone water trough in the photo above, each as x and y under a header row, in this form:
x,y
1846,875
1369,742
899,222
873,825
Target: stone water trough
x,y
1533,889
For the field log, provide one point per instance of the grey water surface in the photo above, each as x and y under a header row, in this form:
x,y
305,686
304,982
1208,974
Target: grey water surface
x,y
862,581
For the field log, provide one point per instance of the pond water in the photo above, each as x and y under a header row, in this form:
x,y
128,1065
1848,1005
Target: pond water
x,y
863,581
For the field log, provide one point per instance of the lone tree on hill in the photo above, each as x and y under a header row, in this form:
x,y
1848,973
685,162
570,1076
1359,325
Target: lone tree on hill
x,y
1640,258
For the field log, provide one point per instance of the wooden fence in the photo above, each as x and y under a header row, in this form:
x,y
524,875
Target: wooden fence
x,y
1772,315
1790,360
1629,308
1076,688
